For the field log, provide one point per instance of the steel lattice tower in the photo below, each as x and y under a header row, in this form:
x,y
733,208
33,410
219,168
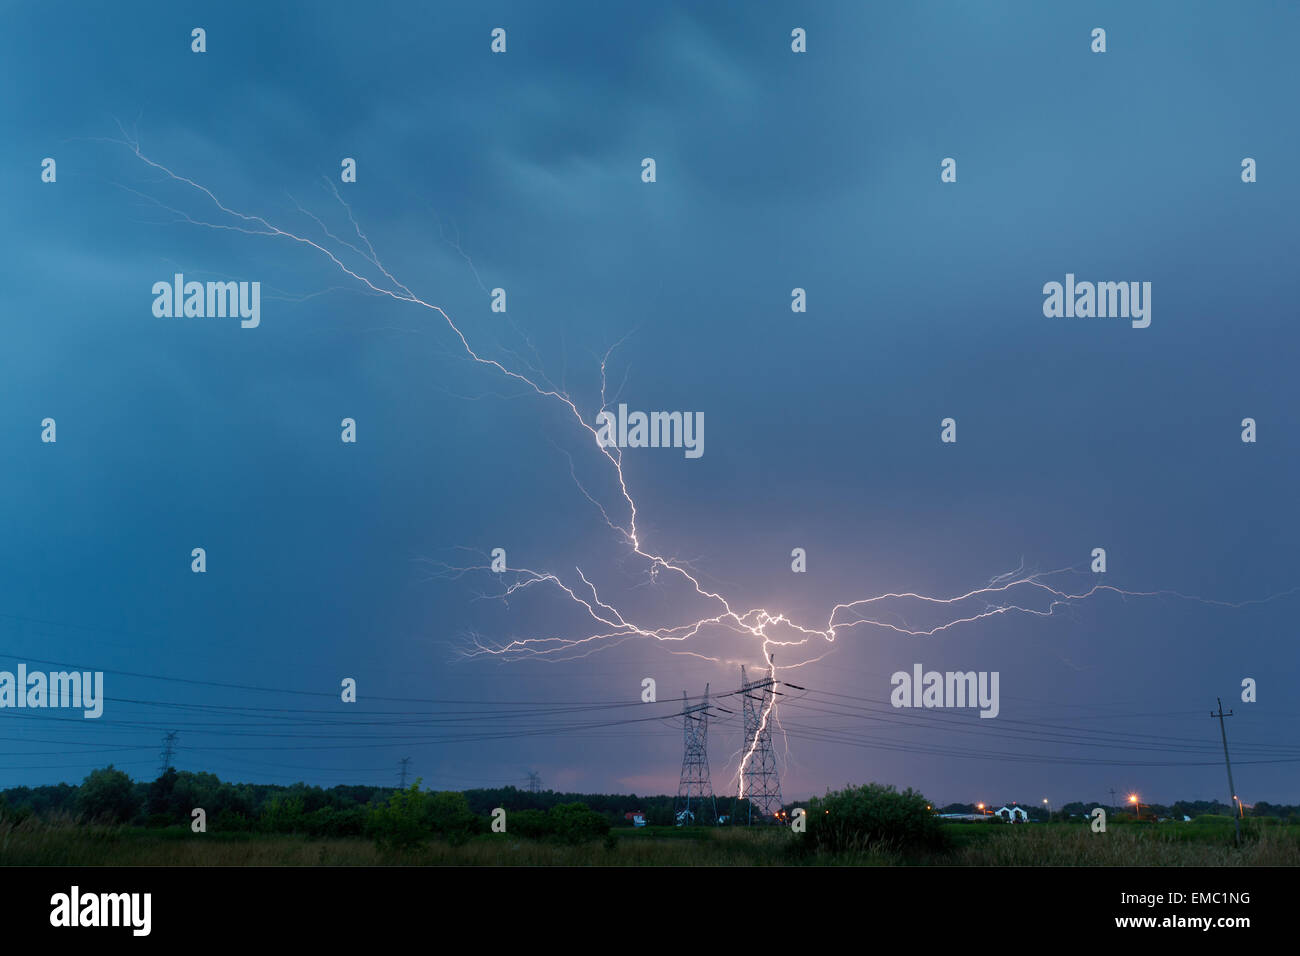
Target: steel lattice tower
x,y
759,781
168,752
695,792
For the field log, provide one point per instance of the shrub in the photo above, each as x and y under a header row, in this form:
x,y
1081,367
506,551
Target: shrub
x,y
576,822
449,814
873,817
14,815
231,821
530,823
282,814
107,795
333,822
401,823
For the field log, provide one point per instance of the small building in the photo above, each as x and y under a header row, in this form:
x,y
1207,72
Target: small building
x,y
637,818
1012,814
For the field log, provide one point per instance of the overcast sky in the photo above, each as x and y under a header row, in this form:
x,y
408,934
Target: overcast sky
x,y
774,170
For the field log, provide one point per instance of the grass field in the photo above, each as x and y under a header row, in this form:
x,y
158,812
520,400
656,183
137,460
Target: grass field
x,y
35,842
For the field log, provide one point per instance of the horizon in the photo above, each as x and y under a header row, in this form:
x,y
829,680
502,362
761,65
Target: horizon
x,y
1122,804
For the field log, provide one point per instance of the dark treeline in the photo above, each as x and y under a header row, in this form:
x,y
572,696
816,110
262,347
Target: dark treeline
x,y
658,811
110,795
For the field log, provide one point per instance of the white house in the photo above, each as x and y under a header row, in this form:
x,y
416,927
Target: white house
x,y
1012,814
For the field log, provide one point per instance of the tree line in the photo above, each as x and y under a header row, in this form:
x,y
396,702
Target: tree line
x,y
109,795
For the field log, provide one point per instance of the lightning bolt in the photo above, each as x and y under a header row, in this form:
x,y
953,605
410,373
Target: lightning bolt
x,y
1007,593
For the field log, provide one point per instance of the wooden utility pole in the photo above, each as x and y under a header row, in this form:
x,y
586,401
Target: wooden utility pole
x,y
1236,804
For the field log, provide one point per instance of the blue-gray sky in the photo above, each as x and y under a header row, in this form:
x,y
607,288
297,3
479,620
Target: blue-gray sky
x,y
775,170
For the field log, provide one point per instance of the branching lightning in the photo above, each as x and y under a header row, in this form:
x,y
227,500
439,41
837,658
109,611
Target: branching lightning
x,y
1014,592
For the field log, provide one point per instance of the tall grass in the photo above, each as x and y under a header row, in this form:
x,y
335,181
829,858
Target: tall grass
x,y
1168,845
66,841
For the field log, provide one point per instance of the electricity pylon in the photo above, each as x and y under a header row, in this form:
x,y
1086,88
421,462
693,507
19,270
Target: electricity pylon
x,y
168,752
759,781
695,800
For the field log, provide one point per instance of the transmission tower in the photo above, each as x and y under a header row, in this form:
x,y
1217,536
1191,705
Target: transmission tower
x,y
759,781
402,764
168,751
534,782
695,801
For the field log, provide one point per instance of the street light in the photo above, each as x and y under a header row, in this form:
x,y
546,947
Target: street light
x,y
1133,799
1049,809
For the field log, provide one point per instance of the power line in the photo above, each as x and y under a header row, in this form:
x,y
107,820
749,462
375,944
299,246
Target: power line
x,y
299,729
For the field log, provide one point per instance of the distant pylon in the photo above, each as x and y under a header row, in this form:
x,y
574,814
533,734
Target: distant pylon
x,y
695,800
168,752
534,782
759,782
402,764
